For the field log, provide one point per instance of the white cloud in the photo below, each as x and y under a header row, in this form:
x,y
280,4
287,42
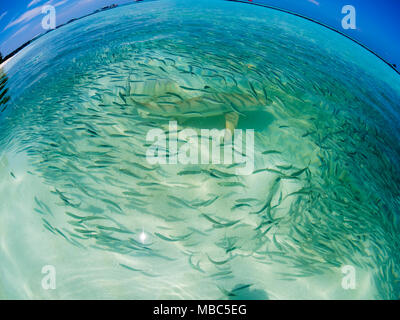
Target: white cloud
x,y
33,2
30,14
314,2
27,16
3,15
60,3
19,31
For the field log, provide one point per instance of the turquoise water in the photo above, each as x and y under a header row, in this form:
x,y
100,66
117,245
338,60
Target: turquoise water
x,y
78,193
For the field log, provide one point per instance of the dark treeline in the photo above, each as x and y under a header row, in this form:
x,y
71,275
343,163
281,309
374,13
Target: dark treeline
x,y
4,98
30,41
16,50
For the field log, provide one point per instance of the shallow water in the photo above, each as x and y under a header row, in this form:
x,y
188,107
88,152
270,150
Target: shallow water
x,y
78,193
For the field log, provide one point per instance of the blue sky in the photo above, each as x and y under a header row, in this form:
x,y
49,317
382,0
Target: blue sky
x,y
378,22
20,20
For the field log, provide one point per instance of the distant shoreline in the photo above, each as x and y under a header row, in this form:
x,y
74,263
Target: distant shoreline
x,y
13,53
113,6
3,64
